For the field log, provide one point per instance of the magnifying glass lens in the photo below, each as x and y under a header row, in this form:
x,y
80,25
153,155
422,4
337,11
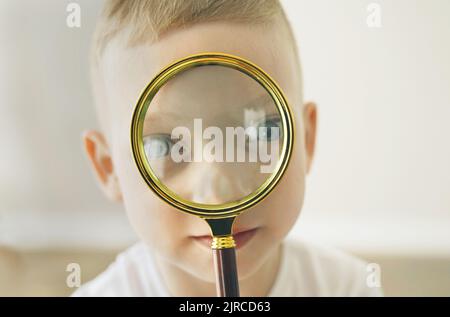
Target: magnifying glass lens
x,y
212,135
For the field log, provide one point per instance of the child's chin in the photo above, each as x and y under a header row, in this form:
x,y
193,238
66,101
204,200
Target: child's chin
x,y
248,253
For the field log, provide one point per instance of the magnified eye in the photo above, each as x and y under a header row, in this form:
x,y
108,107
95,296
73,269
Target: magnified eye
x,y
157,145
270,130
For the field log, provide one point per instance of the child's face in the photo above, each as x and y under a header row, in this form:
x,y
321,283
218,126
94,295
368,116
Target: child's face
x,y
174,235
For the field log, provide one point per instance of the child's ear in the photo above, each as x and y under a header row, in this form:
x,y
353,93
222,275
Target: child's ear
x,y
99,156
310,120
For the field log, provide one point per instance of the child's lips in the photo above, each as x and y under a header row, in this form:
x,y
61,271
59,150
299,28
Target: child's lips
x,y
241,238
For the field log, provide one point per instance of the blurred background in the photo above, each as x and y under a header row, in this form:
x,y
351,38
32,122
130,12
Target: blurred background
x,y
379,187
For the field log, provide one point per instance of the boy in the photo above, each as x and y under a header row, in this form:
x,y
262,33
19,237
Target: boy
x,y
134,40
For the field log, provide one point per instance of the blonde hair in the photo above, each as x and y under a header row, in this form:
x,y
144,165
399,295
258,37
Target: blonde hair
x,y
148,20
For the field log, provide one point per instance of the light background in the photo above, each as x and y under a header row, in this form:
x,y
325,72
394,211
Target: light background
x,y
380,183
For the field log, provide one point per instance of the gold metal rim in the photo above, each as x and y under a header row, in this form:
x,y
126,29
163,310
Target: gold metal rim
x,y
207,211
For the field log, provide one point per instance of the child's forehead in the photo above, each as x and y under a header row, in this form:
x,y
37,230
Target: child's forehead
x,y
264,45
127,70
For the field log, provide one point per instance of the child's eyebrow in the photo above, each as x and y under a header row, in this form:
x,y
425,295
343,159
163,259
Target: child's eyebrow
x,y
262,100
163,117
164,114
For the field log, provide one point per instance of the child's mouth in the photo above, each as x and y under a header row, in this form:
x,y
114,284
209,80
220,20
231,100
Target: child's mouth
x,y
241,238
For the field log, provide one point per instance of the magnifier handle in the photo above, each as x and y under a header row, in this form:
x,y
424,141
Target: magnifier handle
x,y
224,254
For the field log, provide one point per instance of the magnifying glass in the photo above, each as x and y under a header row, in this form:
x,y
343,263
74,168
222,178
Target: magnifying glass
x,y
212,135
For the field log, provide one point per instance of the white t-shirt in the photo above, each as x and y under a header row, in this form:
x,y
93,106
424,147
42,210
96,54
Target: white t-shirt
x,y
305,270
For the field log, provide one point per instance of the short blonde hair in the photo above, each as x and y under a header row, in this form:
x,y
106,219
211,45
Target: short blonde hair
x,y
148,20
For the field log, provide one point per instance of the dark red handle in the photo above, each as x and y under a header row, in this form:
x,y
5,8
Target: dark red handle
x,y
227,282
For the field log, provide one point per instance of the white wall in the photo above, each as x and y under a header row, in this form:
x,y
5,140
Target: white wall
x,y
381,177
47,193
383,156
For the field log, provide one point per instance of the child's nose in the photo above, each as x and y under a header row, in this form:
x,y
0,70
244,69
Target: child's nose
x,y
216,183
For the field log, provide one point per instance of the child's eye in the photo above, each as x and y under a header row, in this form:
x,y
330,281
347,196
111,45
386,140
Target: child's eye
x,y
157,145
270,130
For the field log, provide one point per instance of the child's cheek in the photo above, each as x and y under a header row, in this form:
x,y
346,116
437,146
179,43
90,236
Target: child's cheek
x,y
155,222
287,198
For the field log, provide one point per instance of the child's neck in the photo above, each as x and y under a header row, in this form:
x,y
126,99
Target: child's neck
x,y
259,284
